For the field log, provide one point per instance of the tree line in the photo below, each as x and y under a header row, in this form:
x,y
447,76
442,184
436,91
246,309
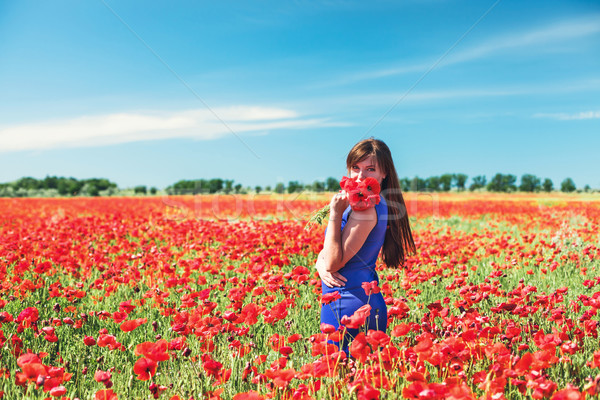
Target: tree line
x,y
217,185
61,186
499,183
58,186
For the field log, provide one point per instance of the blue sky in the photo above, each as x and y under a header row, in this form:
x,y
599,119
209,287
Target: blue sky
x,y
146,92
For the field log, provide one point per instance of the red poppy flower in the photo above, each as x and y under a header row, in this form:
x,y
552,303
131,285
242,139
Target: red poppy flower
x,y
126,307
326,328
568,394
250,395
58,391
400,330
286,351
357,319
106,394
102,376
28,358
145,368
362,195
294,338
371,287
31,373
30,314
132,324
156,351
377,338
348,184
330,297
360,348
89,341
212,367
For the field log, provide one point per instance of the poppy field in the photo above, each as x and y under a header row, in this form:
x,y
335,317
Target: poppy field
x,y
216,297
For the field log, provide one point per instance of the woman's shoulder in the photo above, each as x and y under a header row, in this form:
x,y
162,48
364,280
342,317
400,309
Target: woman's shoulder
x,y
366,219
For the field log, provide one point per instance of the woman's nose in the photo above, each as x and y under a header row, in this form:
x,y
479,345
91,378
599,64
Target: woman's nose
x,y
360,176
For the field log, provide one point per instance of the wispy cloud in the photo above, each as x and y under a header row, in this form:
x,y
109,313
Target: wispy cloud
x,y
569,117
556,33
101,130
443,96
532,39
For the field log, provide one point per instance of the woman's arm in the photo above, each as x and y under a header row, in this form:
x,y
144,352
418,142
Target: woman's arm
x,y
339,247
331,279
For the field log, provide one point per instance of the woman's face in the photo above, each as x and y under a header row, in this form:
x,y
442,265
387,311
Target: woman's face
x,y
367,168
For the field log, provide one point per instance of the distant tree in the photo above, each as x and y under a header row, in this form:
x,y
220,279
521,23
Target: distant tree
x,y
502,183
62,187
509,182
153,190
548,185
459,181
141,189
446,182
69,186
405,184
89,189
184,186
268,188
215,185
318,186
495,184
479,182
50,182
6,190
294,186
587,188
567,186
238,188
101,183
332,184
279,188
418,184
228,186
433,183
196,186
257,189
27,183
530,183
50,185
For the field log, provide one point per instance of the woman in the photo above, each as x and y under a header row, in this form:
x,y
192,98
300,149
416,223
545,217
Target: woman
x,y
353,240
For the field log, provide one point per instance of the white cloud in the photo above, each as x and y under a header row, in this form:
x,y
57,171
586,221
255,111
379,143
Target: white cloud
x,y
532,39
200,124
376,99
566,30
569,117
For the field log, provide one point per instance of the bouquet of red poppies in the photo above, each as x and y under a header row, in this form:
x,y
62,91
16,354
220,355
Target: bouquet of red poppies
x,y
362,195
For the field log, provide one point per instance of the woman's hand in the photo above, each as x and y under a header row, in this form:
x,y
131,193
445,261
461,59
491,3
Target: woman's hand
x,y
338,205
330,279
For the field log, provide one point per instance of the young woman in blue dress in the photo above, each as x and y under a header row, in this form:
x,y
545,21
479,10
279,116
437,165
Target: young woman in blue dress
x,y
353,240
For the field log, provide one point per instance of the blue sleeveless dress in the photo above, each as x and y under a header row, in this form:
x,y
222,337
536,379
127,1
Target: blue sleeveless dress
x,y
360,268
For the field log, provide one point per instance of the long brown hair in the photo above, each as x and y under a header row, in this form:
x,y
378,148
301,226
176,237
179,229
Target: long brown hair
x,y
398,241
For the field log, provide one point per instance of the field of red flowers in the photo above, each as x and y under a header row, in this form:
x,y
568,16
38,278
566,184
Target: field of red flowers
x,y
210,297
